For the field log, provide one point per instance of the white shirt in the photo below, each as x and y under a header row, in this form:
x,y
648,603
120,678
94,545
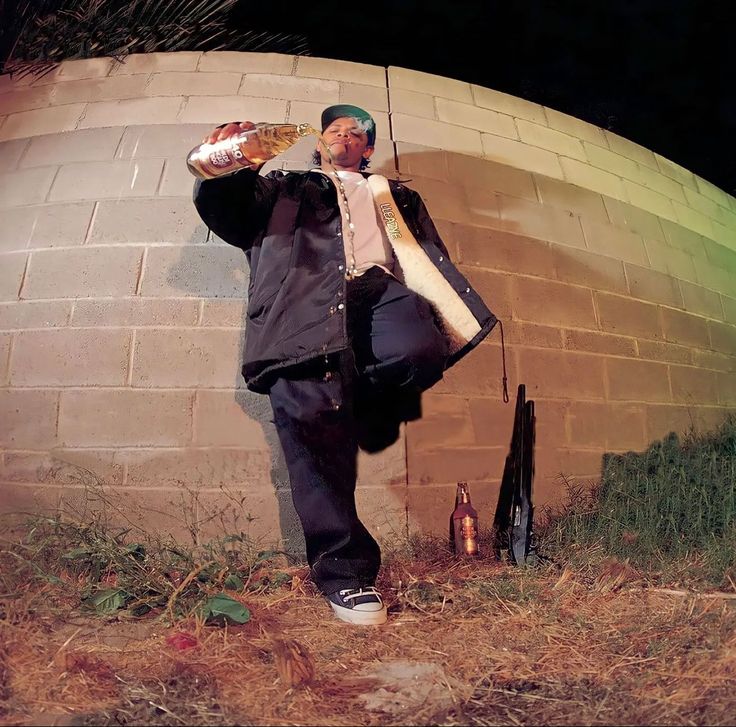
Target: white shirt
x,y
370,242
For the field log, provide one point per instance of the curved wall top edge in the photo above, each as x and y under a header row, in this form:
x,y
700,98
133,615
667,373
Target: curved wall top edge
x,y
417,107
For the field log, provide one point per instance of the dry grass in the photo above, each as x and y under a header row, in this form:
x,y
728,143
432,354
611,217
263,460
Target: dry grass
x,y
510,646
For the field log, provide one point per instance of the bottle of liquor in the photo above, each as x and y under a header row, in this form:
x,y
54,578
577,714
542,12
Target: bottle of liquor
x,y
464,523
248,149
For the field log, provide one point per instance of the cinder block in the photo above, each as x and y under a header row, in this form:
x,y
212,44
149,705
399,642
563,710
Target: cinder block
x,y
5,339
360,94
12,268
720,255
635,219
340,70
26,186
176,179
24,315
702,301
73,70
86,145
693,386
639,381
387,467
653,286
554,374
161,140
18,500
666,186
125,417
473,117
103,89
552,303
128,112
551,139
59,225
556,465
684,328
197,468
265,85
670,260
594,342
532,334
133,312
28,418
455,464
479,373
715,193
66,467
574,127
520,155
172,221
610,425
97,180
416,160
436,134
617,164
581,267
11,153
493,421
82,273
506,104
544,223
631,150
571,198
70,357
621,315
723,337
674,171
156,62
500,250
192,83
238,61
382,509
187,358
713,360
683,238
589,177
494,288
487,175
51,120
445,422
224,313
221,419
649,199
210,272
221,109
427,83
714,277
665,418
703,204
667,352
26,99
443,200
413,103
16,229
615,242
726,386
729,308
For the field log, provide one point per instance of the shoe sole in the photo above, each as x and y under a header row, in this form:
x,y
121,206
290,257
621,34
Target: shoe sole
x,y
360,618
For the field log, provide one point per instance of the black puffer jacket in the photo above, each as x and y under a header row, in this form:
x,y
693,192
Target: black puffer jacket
x,y
289,226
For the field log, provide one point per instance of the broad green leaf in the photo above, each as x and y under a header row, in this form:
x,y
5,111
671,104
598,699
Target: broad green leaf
x,y
234,582
224,608
109,600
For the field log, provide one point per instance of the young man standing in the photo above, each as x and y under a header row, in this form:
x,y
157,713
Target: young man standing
x,y
354,309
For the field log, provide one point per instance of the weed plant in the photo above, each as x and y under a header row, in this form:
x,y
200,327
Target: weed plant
x,y
671,505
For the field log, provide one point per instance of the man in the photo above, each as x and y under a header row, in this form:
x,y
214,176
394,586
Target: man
x,y
354,309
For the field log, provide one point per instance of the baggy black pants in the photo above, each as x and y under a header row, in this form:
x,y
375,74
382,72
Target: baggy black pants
x,y
325,409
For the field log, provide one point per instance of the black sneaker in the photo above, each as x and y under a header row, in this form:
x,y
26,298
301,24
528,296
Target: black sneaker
x,y
361,606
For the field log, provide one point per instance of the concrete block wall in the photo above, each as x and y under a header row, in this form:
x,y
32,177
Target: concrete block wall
x,y
121,316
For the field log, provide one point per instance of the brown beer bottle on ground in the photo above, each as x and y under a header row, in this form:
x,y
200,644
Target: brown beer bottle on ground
x,y
464,523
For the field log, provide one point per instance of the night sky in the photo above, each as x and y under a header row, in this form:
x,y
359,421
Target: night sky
x,y
658,72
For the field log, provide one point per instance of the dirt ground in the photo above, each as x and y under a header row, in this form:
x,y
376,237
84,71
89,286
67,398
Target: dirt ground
x,y
467,643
